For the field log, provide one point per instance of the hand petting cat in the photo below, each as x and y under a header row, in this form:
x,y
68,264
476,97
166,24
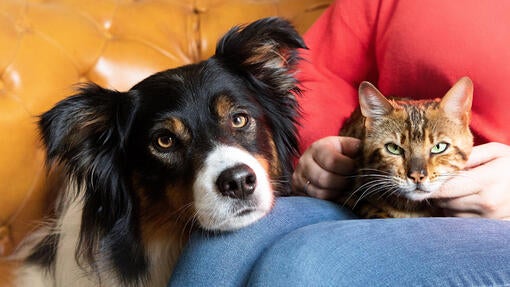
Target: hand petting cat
x,y
480,191
483,190
322,169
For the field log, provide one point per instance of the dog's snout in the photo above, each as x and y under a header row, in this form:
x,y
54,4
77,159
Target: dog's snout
x,y
237,182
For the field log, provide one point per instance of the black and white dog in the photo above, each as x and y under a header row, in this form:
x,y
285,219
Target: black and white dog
x,y
204,145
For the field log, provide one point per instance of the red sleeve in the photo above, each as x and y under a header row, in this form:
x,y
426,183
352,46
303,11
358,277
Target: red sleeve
x,y
340,56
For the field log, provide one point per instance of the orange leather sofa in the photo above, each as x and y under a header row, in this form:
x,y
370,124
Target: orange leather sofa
x,y
48,46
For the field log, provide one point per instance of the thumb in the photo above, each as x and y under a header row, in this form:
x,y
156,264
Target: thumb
x,y
349,146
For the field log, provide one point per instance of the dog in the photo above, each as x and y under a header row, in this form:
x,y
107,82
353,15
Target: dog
x,y
207,145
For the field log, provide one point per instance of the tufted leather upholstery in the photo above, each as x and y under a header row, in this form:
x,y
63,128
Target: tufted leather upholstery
x,y
46,47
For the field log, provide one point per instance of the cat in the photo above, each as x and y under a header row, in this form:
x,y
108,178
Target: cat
x,y
408,149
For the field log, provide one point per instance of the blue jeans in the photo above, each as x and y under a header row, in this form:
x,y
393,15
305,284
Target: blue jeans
x,y
310,242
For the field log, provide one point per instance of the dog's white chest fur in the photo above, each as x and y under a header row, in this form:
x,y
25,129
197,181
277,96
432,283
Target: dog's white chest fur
x,y
69,273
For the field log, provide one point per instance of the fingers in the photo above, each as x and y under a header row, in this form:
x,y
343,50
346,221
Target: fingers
x,y
348,146
305,186
322,169
485,167
485,153
321,193
323,178
481,190
461,205
463,184
337,156
492,202
311,179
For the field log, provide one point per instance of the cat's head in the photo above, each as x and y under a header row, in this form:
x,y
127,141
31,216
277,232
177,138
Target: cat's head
x,y
416,145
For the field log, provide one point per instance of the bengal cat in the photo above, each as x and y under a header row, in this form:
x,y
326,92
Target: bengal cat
x,y
408,149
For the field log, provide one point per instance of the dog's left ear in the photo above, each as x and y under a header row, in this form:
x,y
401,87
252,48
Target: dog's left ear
x,y
266,49
87,133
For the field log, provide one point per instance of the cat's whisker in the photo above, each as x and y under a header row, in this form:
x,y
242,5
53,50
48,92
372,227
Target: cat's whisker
x,y
375,180
369,184
390,191
367,177
354,193
375,170
427,201
372,192
372,187
374,175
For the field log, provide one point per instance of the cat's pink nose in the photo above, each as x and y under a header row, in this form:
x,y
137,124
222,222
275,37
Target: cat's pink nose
x,y
417,176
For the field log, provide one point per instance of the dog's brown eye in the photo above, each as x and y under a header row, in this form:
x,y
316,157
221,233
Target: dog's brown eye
x,y
239,120
165,142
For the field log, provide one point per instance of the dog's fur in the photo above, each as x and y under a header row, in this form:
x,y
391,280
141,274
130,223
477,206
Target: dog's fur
x,y
208,145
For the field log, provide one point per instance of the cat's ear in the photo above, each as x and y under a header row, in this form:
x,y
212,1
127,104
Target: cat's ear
x,y
372,102
457,101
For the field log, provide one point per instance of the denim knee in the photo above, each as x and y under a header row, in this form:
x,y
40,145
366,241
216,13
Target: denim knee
x,y
394,252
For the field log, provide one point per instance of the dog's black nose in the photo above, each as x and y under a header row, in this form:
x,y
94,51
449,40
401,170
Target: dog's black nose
x,y
237,182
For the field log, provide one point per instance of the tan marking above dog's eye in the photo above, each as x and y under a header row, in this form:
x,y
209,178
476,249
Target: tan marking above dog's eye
x,y
239,120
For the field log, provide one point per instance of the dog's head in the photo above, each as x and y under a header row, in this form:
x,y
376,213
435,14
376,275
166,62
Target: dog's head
x,y
211,142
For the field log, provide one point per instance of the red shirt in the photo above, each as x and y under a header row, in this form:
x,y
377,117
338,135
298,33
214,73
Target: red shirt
x,y
412,49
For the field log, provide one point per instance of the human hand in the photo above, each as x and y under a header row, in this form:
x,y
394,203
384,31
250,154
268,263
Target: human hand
x,y
483,190
322,169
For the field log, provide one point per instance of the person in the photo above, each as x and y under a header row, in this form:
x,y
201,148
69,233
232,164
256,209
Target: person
x,y
414,49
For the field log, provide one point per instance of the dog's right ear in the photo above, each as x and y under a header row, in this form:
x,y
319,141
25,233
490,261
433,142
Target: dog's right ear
x,y
266,49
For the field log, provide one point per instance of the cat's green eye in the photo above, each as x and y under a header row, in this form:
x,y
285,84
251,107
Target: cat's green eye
x,y
394,149
439,148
